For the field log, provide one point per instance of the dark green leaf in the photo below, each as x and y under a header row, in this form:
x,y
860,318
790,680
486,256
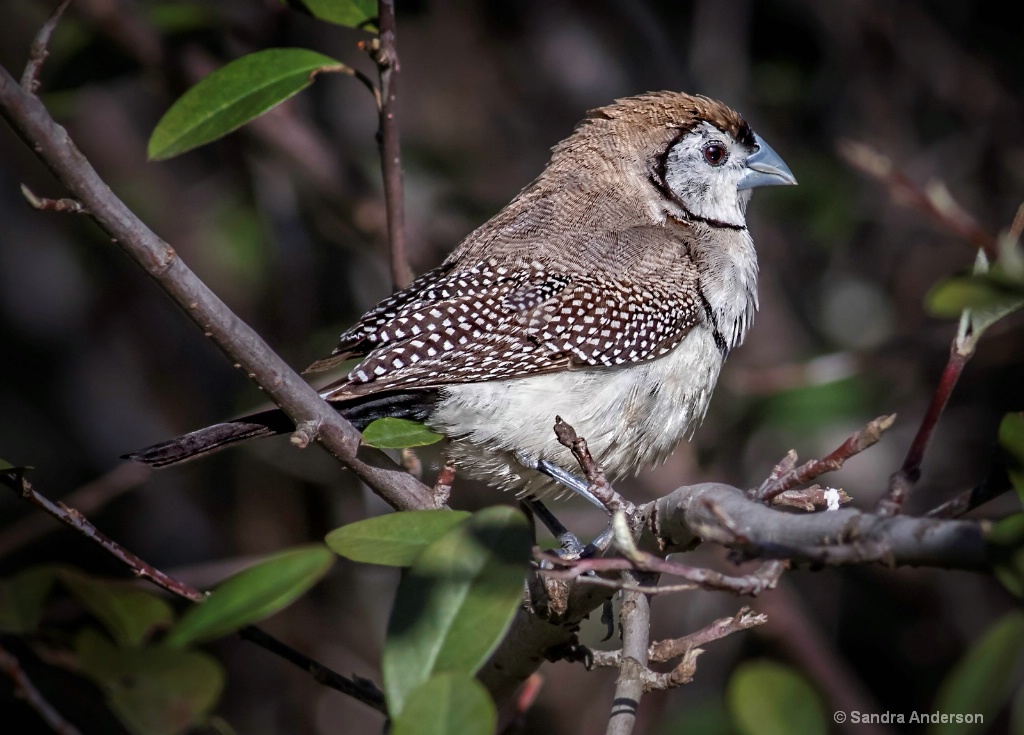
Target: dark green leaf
x,y
448,704
351,13
1011,439
155,690
232,96
456,601
389,433
22,597
395,539
254,594
129,614
767,698
985,679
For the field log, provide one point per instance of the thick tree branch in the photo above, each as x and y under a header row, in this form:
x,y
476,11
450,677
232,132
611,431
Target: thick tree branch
x,y
722,514
51,143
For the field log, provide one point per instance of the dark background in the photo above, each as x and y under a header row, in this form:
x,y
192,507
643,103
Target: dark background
x,y
286,223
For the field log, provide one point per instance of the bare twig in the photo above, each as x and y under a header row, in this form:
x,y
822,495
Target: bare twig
x,y
662,651
385,55
39,50
744,618
968,500
599,485
86,499
934,201
26,690
784,476
15,480
358,688
284,386
635,624
71,206
753,584
903,480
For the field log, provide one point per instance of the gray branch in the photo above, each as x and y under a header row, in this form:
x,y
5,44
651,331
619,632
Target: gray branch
x,y
51,143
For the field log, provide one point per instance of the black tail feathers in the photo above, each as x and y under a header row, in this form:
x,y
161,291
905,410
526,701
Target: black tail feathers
x,y
360,411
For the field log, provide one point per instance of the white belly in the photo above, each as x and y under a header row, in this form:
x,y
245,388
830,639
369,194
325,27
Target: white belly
x,y
631,416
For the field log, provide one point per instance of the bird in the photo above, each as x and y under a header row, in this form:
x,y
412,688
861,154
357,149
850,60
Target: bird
x,y
608,292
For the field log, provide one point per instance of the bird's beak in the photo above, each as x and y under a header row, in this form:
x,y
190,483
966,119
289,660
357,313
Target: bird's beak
x,y
765,168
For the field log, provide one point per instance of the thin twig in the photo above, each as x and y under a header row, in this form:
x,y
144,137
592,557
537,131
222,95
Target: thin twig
x,y
744,618
385,55
753,584
784,476
39,50
26,690
933,201
903,480
968,500
358,688
15,480
667,650
72,206
599,485
87,499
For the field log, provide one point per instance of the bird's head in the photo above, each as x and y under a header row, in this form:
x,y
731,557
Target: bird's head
x,y
686,151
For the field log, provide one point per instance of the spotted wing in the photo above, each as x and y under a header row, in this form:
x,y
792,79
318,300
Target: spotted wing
x,y
493,322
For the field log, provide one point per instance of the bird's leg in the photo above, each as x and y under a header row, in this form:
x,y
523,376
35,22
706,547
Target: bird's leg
x,y
563,477
571,548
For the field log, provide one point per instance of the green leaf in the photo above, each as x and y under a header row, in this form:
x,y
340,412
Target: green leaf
x,y
981,299
448,704
456,601
254,594
395,539
951,296
233,95
985,679
1011,439
155,690
390,433
351,13
128,613
22,597
767,698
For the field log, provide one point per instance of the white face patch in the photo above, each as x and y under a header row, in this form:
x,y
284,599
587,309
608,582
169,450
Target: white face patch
x,y
703,170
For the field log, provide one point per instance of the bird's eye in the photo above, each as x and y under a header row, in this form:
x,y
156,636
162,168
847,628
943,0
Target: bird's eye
x,y
715,154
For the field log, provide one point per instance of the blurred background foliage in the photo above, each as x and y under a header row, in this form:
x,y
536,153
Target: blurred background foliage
x,y
285,221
